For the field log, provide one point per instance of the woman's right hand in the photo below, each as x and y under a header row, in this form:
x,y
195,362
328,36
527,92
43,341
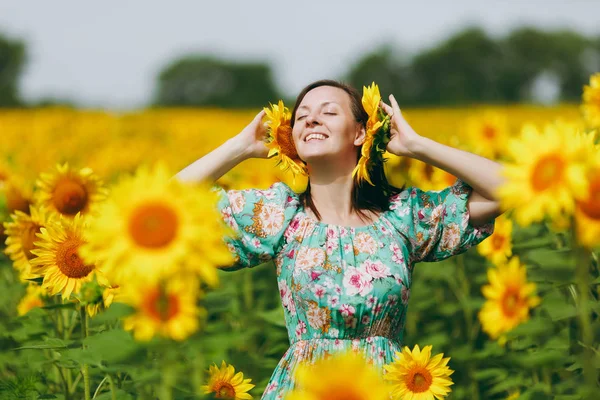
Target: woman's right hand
x,y
253,137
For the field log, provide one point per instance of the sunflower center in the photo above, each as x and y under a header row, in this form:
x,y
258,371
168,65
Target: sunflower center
x,y
498,241
69,197
591,206
489,132
224,390
68,260
161,306
153,225
15,200
547,172
28,237
419,380
510,301
284,138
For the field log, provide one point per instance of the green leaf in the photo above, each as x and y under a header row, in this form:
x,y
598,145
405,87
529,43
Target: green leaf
x,y
111,346
275,317
48,344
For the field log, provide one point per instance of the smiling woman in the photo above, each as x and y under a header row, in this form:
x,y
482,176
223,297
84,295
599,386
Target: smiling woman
x,y
344,283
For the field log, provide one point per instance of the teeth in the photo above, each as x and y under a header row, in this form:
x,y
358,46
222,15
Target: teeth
x,y
316,136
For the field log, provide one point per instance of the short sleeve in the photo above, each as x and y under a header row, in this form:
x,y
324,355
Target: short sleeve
x,y
436,222
258,219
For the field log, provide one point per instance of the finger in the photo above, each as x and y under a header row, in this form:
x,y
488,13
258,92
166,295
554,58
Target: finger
x,y
394,103
260,115
388,110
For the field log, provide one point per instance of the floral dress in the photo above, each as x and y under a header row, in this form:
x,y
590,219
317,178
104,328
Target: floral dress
x,y
344,287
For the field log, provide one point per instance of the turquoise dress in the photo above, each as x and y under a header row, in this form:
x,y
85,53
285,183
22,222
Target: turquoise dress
x,y
344,287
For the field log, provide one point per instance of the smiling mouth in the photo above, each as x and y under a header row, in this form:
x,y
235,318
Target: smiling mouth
x,y
315,137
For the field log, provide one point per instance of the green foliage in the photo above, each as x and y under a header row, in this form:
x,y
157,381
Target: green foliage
x,y
12,62
210,82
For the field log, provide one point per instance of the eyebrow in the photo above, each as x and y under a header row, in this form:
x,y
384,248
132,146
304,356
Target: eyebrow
x,y
322,104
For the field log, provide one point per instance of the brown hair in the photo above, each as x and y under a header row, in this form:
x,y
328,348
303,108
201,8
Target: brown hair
x,y
364,196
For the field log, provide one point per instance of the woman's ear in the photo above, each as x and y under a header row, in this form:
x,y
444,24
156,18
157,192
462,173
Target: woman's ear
x,y
360,136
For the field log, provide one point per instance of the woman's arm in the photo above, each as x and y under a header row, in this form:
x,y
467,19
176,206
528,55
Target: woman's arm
x,y
482,174
249,143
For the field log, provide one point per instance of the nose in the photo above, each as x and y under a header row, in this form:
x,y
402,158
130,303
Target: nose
x,y
311,119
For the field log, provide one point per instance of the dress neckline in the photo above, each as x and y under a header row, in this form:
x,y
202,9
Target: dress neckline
x,y
372,225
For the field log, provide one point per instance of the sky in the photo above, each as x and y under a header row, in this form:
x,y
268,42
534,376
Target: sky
x,y
108,54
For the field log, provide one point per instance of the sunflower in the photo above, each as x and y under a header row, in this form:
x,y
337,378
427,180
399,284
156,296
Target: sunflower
x,y
152,225
376,135
21,235
339,377
17,194
498,248
226,384
547,174
58,259
488,132
34,297
509,298
167,308
591,101
281,143
68,191
587,213
418,376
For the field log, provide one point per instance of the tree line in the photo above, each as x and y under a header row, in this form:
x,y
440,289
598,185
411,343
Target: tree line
x,y
469,67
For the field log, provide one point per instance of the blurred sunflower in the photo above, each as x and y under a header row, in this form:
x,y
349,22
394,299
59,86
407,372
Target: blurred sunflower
x,y
166,308
281,143
548,172
591,101
587,213
226,384
488,133
509,298
418,376
342,376
18,195
152,225
68,191
498,248
58,259
21,235
34,297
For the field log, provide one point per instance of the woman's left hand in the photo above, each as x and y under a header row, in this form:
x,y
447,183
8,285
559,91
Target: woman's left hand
x,y
402,135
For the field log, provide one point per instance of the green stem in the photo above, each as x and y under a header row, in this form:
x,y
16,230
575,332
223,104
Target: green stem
x,y
583,278
113,391
85,369
168,379
99,387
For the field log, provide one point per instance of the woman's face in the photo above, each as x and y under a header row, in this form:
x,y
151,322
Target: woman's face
x,y
325,126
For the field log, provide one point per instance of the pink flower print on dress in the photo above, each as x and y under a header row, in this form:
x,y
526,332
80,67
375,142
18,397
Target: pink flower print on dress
x,y
319,290
300,329
347,310
371,301
314,275
357,282
376,269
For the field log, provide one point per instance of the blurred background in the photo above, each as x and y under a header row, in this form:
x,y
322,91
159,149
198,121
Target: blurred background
x,y
133,54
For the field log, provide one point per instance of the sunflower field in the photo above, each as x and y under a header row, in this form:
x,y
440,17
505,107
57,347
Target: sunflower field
x,y
111,287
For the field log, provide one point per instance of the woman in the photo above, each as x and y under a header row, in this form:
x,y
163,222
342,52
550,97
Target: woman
x,y
345,250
